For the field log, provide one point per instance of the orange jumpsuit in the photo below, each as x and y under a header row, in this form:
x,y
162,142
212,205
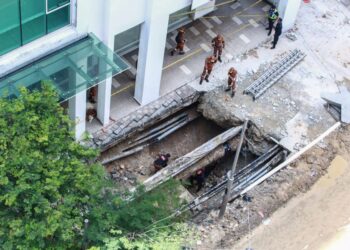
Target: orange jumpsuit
x,y
208,67
218,43
231,81
180,42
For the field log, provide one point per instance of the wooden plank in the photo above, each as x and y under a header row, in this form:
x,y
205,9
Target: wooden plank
x,y
183,163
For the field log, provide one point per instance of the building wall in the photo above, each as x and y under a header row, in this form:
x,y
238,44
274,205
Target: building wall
x,y
106,18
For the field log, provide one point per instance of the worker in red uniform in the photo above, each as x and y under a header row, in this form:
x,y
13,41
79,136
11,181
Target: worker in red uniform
x,y
231,81
218,44
180,42
208,67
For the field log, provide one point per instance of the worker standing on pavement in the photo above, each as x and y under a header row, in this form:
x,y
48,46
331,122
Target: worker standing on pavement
x,y
278,32
272,17
232,78
208,67
180,42
218,44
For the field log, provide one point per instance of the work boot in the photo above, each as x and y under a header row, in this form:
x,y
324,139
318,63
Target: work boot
x,y
269,33
227,89
172,52
273,47
200,82
206,79
233,94
182,52
219,58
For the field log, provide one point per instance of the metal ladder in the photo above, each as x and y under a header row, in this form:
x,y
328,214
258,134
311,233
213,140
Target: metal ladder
x,y
271,76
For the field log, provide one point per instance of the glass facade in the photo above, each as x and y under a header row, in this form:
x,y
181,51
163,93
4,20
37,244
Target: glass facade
x,y
71,70
127,40
179,18
23,21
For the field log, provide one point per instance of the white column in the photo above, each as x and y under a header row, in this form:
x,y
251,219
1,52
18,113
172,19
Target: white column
x,y
288,11
105,88
77,112
104,101
151,51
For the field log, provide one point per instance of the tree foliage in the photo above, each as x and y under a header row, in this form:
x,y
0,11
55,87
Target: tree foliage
x,y
47,185
53,195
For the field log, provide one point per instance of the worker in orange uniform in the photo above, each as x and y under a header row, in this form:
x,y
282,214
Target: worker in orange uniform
x,y
231,81
218,44
208,67
180,42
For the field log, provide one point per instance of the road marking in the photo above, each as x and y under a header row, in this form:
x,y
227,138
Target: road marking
x,y
253,23
194,31
216,19
229,56
235,5
237,20
186,70
123,89
210,33
186,49
244,38
134,57
168,45
206,23
266,8
182,59
205,47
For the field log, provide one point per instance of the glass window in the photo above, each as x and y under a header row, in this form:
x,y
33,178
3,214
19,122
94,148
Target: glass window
x,y
54,4
33,19
22,21
127,40
10,35
58,19
179,18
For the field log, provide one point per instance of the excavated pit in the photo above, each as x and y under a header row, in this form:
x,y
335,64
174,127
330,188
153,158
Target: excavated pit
x,y
134,169
137,167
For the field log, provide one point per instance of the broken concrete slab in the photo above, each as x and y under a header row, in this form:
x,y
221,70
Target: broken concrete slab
x,y
341,100
144,117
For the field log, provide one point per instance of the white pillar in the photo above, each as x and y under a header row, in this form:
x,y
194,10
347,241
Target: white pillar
x,y
105,88
77,112
104,101
151,51
288,11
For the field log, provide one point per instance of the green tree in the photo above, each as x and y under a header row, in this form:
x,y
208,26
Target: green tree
x,y
53,195
48,185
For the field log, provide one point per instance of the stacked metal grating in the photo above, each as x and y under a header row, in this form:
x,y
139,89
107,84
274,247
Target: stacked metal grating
x,y
271,76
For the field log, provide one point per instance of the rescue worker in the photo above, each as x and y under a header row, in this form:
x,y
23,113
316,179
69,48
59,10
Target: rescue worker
x,y
231,81
199,178
278,32
180,42
272,17
208,67
218,44
161,162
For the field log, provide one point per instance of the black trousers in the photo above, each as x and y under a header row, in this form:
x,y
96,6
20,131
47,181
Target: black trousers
x,y
270,25
275,39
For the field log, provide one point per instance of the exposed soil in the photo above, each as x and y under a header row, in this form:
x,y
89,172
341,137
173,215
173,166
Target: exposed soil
x,y
138,167
272,194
